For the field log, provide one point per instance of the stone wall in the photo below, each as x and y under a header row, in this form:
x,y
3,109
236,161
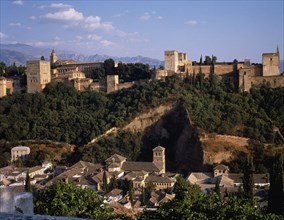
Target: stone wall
x,y
273,81
3,86
10,201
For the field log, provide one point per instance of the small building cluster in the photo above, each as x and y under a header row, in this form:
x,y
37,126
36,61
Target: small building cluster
x,y
228,182
76,74
112,178
140,175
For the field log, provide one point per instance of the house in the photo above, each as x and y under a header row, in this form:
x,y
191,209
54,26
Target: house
x,y
114,195
20,152
221,170
143,173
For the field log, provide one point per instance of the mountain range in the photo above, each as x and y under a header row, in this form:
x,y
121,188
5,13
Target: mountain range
x,y
20,53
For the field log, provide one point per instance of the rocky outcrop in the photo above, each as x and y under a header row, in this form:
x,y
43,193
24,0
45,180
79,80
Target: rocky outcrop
x,y
144,120
219,148
188,148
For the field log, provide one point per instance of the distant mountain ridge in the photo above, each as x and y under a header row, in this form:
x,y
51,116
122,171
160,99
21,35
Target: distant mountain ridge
x,y
20,53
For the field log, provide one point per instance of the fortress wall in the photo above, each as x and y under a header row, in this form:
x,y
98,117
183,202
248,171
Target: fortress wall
x,y
205,69
125,85
273,81
220,69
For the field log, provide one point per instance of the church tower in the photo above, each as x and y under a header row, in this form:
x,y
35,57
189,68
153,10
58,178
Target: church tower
x,y
53,57
159,158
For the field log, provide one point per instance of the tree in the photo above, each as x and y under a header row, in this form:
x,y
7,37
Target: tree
x,y
276,196
109,67
65,199
217,188
28,187
105,185
207,60
213,59
143,197
131,192
200,61
113,182
248,181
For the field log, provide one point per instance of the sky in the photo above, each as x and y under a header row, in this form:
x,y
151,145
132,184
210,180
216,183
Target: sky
x,y
227,29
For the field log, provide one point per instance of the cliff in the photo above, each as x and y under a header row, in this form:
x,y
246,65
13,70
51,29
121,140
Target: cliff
x,y
188,147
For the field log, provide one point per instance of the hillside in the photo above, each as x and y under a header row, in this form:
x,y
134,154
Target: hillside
x,y
179,115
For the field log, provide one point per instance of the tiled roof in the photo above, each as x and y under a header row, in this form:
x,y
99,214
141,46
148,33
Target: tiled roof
x,y
158,179
114,192
138,166
114,165
99,177
34,169
115,158
159,148
196,177
221,167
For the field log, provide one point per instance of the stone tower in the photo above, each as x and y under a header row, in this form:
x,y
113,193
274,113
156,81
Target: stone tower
x,y
53,57
38,75
271,63
159,158
3,91
112,82
171,61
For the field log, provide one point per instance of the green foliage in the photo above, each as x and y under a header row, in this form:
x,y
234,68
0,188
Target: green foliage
x,y
276,193
105,184
217,188
248,182
63,199
191,203
61,113
109,67
28,187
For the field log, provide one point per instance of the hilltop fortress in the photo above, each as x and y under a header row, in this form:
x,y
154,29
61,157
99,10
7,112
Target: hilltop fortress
x,y
243,74
78,74
75,74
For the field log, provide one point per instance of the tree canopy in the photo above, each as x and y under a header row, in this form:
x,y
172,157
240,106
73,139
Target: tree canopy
x,y
66,199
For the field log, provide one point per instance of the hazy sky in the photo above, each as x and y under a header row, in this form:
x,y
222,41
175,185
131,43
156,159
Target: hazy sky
x,y
227,29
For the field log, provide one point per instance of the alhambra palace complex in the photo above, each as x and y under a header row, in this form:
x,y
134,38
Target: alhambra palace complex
x,y
244,74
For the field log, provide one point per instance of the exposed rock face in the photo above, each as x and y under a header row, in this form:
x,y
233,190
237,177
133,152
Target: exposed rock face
x,y
218,148
181,140
187,147
147,119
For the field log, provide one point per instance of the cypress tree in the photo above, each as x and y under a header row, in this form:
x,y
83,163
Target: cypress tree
x,y
217,187
248,181
276,197
143,197
105,186
131,192
28,187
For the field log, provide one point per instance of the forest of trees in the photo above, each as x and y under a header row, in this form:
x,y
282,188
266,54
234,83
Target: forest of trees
x,y
60,113
127,72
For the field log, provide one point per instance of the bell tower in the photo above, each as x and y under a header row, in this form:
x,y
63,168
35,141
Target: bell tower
x,y
159,158
53,57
